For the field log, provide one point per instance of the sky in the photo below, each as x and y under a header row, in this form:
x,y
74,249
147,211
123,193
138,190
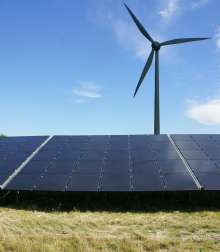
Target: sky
x,y
71,67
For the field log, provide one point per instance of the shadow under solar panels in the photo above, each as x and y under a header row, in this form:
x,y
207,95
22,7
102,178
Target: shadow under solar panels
x,y
115,182
89,167
62,167
68,155
9,166
35,167
148,182
179,182
138,138
23,182
142,155
122,167
140,146
117,155
213,154
161,137
180,137
166,154
53,182
203,166
209,181
118,146
172,166
96,146
144,166
163,145
4,177
84,182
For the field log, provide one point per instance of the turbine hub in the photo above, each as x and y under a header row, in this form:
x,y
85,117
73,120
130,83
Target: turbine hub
x,y
155,45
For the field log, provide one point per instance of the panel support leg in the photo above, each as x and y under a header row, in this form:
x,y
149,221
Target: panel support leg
x,y
17,197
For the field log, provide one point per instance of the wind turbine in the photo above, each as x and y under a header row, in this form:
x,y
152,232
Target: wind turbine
x,y
155,47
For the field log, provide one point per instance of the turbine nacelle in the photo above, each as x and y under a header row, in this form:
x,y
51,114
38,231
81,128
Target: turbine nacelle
x,y
155,45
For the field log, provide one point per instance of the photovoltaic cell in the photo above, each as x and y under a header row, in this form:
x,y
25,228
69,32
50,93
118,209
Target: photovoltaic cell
x,y
117,155
84,182
29,146
38,167
74,146
53,182
37,139
19,155
201,137
19,139
9,146
62,139
203,166
9,166
179,182
89,167
4,140
187,145
142,155
209,181
208,145
194,154
4,177
45,155
52,146
172,166
118,138
138,138
148,182
161,137
162,145
213,154
144,166
119,167
115,182
96,146
62,167
166,154
216,137
217,162
23,182
69,155
101,138
78,139
4,154
118,146
181,137
140,146
93,155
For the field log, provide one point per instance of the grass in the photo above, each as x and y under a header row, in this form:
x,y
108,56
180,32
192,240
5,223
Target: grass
x,y
56,221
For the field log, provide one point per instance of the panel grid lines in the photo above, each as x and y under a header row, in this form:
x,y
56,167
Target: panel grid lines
x,y
186,164
158,165
131,176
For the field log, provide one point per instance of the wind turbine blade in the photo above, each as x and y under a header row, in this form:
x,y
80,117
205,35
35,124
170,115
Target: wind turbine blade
x,y
178,41
146,68
139,25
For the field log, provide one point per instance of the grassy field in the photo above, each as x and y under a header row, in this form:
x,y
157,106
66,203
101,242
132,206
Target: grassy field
x,y
110,221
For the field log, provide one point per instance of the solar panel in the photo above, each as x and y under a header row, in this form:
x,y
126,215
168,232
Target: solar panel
x,y
115,182
166,154
194,154
62,167
93,155
79,139
84,182
187,145
142,155
99,138
19,155
38,167
69,155
4,140
140,146
19,139
148,182
45,155
139,138
118,146
10,146
4,177
61,139
89,167
161,137
144,166
4,154
216,137
217,162
181,137
32,146
9,166
201,137
208,145
119,167
203,166
163,145
96,146
172,166
209,181
213,154
118,138
52,146
74,146
37,139
117,155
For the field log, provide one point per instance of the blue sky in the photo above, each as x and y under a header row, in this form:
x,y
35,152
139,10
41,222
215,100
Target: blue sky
x,y
71,67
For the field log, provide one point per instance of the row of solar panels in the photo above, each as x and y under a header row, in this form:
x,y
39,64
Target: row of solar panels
x,y
110,163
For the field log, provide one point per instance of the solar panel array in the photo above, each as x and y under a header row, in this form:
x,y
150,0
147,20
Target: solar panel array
x,y
14,151
202,153
105,163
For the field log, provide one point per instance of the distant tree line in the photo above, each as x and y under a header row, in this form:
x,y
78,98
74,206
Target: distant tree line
x,y
2,135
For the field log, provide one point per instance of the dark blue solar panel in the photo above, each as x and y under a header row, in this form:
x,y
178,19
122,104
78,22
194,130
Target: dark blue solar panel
x,y
181,137
118,146
161,137
19,155
179,181
138,138
148,182
208,145
45,155
140,146
117,167
118,138
209,181
216,137
19,139
162,145
194,154
78,139
62,167
29,146
89,167
53,182
101,138
142,155
4,177
84,182
74,146
115,182
62,139
37,139
166,154
35,167
9,166
117,155
213,154
9,146
93,155
144,166
217,162
23,182
69,155
172,166
4,154
52,146
4,140
203,166
96,146
187,145
201,137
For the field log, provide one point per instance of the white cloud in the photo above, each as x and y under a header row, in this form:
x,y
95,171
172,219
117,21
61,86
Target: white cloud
x,y
87,93
89,85
89,89
207,113
170,10
198,4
